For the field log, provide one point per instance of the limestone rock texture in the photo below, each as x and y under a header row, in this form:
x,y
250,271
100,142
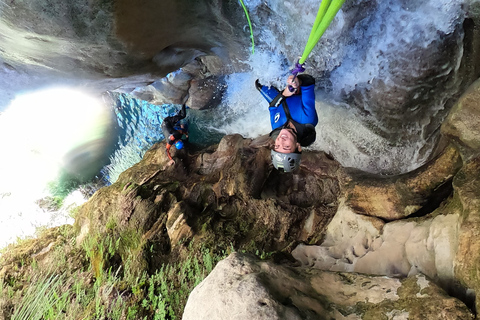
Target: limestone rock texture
x,y
394,226
463,122
245,287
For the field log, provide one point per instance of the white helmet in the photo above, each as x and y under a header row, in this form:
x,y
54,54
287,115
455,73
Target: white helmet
x,y
286,162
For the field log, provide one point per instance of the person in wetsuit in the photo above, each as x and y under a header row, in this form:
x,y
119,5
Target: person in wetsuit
x,y
293,119
174,132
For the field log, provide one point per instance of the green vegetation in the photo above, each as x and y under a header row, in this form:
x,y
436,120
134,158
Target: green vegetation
x,y
42,300
95,286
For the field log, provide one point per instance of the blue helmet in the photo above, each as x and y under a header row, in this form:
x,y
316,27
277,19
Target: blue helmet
x,y
179,144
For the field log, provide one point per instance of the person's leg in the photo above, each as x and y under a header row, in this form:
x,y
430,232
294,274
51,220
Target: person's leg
x,y
180,115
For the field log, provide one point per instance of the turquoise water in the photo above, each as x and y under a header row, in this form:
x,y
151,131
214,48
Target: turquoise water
x,y
139,128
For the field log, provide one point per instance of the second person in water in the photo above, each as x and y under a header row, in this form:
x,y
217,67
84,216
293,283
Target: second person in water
x,y
293,119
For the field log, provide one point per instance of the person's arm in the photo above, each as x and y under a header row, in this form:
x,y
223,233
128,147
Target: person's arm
x,y
171,162
269,93
307,88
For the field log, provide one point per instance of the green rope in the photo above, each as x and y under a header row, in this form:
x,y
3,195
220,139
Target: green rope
x,y
250,25
326,13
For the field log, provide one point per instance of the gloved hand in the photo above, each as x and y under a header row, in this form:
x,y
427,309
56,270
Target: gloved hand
x,y
258,85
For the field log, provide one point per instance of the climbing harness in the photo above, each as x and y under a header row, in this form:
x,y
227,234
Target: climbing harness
x,y
326,13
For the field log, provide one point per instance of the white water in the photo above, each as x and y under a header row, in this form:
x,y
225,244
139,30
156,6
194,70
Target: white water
x,y
21,216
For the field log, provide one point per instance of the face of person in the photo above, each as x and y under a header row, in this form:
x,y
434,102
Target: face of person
x,y
286,141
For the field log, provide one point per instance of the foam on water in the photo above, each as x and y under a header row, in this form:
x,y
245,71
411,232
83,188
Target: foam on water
x,y
244,110
387,34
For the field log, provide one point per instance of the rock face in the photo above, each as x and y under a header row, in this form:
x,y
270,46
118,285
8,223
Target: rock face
x,y
113,39
440,244
244,287
401,196
224,196
463,122
198,84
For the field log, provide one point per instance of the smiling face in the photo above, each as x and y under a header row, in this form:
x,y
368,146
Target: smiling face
x,y
286,141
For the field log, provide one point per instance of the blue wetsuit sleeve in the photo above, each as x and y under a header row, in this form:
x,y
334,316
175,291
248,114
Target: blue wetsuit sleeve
x,y
308,102
269,93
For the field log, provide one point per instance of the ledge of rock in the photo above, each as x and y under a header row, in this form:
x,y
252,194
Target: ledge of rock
x,y
392,198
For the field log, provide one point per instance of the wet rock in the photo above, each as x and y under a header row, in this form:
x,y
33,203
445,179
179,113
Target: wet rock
x,y
462,125
194,84
205,93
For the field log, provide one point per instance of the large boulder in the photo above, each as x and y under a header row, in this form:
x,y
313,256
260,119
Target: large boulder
x,y
243,287
197,84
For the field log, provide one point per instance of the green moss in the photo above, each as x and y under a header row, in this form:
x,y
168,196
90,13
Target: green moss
x,y
111,223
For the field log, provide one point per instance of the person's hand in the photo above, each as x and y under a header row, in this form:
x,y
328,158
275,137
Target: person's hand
x,y
258,85
171,162
292,82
